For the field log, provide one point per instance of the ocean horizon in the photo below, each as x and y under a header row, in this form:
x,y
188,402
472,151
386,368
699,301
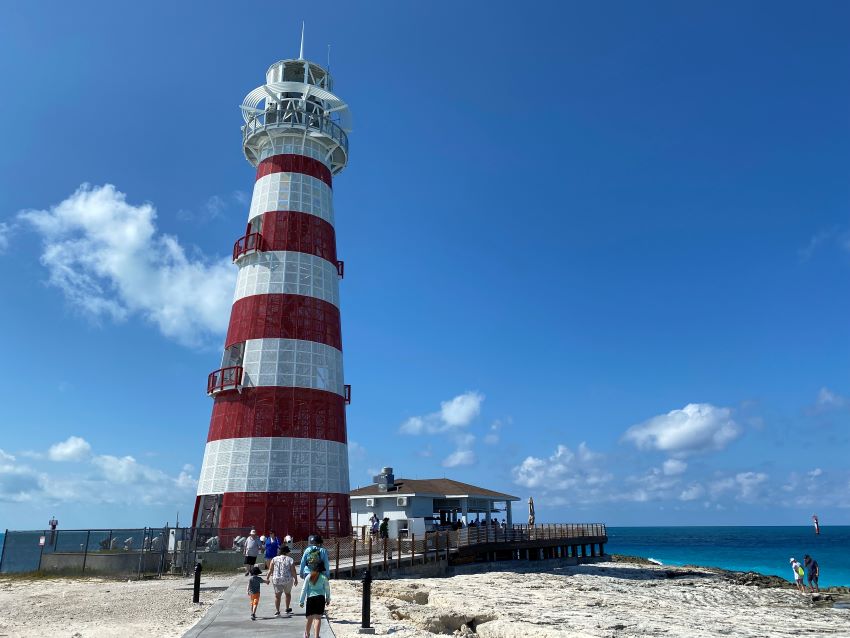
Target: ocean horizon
x,y
763,549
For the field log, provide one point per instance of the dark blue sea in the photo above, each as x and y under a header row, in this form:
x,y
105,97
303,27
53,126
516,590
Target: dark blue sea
x,y
760,549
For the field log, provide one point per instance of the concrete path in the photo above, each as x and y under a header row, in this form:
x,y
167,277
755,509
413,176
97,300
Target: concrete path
x,y
231,615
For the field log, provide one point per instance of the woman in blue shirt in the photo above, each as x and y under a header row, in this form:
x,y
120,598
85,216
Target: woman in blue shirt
x,y
316,591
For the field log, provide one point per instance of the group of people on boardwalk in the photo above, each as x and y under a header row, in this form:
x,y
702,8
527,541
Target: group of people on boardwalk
x,y
810,566
282,575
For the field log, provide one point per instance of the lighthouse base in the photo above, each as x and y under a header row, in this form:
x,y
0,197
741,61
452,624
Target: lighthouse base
x,y
298,514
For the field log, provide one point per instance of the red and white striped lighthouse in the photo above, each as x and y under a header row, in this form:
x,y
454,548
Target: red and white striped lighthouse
x,y
276,456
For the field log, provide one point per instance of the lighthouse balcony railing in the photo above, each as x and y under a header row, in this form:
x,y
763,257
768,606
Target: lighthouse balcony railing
x,y
250,243
294,118
224,379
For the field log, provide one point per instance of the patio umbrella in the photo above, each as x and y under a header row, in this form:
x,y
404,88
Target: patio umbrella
x,y
531,510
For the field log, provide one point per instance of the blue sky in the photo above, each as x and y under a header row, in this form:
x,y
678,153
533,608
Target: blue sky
x,y
598,253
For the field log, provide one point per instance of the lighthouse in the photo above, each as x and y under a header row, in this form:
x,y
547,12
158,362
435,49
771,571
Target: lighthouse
x,y
276,455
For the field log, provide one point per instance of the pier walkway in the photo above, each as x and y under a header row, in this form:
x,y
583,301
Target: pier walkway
x,y
231,615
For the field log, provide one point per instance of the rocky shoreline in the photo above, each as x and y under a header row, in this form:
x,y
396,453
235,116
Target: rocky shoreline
x,y
621,597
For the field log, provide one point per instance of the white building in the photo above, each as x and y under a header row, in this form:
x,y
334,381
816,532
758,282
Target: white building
x,y
415,506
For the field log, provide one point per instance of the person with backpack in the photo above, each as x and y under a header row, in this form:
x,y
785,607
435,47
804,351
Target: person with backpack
x,y
315,557
316,591
799,572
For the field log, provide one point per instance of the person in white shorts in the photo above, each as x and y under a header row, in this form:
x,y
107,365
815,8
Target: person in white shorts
x,y
283,576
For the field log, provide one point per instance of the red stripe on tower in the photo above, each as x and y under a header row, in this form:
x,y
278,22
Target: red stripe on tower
x,y
290,163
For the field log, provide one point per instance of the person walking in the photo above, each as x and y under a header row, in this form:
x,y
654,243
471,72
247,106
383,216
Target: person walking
x,y
251,551
384,529
374,523
797,568
283,577
254,591
316,591
314,557
814,572
272,545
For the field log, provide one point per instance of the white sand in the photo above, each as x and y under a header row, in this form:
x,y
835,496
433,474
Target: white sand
x,y
95,608
605,599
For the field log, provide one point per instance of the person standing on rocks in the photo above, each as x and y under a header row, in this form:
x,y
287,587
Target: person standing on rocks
x,y
797,568
814,572
251,551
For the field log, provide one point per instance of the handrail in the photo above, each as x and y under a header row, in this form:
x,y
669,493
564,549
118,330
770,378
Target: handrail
x,y
252,242
294,117
224,379
477,534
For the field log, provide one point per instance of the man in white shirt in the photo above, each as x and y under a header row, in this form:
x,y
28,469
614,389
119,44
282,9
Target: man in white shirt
x,y
283,576
252,550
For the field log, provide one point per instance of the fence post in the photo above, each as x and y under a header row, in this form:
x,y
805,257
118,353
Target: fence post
x,y
336,567
370,553
385,555
40,552
412,548
398,558
3,551
353,555
86,550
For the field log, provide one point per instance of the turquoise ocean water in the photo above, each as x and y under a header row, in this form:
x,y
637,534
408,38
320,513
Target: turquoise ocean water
x,y
760,549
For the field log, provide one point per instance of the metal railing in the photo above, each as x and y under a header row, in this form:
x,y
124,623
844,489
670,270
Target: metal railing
x,y
224,379
150,552
251,242
294,118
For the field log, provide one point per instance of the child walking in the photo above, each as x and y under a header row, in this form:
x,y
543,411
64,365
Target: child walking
x,y
317,593
254,591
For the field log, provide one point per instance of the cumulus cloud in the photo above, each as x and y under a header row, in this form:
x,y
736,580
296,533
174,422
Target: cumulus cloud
x,y
110,261
698,427
98,478
494,433
73,448
5,233
692,492
463,454
455,413
672,467
565,476
829,399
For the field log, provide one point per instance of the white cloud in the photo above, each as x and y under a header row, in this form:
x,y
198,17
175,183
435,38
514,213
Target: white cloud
x,y
829,399
815,472
698,427
459,457
460,411
455,413
463,454
494,434
672,467
109,260
72,449
5,233
692,492
96,479
564,476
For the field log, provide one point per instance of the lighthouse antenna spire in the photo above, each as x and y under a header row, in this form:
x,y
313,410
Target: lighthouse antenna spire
x,y
301,50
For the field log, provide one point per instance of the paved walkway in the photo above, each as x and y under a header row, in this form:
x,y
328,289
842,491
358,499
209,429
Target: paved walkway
x,y
231,615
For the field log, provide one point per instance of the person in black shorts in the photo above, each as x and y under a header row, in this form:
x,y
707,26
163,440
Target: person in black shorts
x,y
316,591
814,572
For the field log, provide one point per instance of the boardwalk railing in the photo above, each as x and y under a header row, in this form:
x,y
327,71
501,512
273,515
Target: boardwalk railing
x,y
151,552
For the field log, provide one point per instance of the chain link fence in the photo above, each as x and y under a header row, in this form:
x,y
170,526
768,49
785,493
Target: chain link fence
x,y
151,552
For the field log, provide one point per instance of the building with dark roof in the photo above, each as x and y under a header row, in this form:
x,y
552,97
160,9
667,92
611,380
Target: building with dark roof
x,y
415,506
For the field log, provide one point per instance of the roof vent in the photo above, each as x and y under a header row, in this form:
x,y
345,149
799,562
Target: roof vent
x,y
385,480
